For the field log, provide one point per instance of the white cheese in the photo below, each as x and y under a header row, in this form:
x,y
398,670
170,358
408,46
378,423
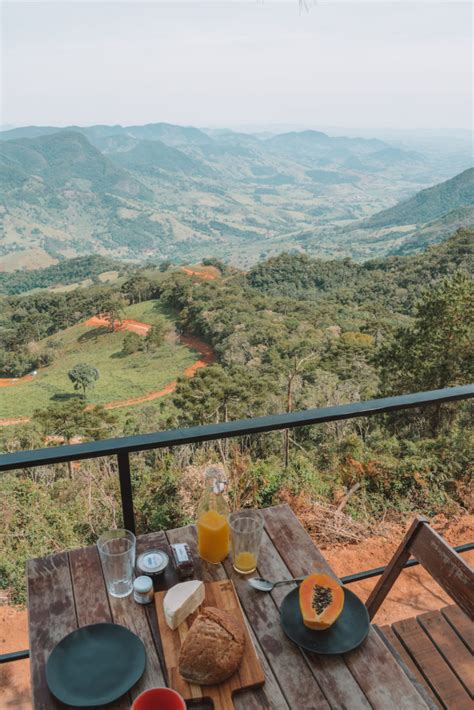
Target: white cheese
x,y
181,600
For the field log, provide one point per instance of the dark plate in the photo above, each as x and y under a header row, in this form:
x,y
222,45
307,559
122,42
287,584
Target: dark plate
x,y
348,632
95,665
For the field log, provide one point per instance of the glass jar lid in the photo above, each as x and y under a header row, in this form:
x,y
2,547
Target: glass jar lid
x,y
143,584
152,562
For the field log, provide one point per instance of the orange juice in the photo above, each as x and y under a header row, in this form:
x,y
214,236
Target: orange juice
x,y
245,562
213,536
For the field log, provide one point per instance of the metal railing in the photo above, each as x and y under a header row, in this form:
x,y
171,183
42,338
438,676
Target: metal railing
x,y
122,448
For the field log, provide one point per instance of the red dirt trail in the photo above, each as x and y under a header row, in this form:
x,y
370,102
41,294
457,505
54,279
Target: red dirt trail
x,y
128,324
135,326
10,381
205,275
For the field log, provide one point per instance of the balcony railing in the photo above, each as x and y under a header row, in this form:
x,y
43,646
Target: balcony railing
x,y
122,448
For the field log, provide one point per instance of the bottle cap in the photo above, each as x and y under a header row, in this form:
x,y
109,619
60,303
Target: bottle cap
x,y
143,584
216,473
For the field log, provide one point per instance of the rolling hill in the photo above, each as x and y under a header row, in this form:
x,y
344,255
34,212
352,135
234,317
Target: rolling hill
x,y
428,204
153,157
392,282
163,191
64,273
437,230
64,160
121,378
425,218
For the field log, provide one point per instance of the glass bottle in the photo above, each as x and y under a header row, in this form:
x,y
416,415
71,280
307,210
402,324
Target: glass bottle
x,y
213,518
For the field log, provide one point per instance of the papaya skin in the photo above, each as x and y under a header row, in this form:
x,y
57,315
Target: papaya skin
x,y
332,611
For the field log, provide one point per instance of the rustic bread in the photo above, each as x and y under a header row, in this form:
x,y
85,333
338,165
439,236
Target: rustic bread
x,y
212,649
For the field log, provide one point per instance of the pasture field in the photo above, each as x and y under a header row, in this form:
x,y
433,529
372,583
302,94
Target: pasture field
x,y
120,377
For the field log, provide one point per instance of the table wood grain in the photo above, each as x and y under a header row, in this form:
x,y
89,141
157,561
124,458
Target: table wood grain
x,y
67,590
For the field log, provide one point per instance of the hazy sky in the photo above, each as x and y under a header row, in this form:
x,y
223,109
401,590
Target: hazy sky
x,y
373,64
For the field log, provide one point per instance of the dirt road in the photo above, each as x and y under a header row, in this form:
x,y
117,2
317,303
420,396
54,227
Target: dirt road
x,y
135,326
207,275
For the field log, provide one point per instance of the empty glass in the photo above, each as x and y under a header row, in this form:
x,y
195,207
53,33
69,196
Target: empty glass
x,y
117,554
245,534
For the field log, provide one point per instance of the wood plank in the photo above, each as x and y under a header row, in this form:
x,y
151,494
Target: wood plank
x,y
271,695
461,623
393,569
383,682
446,566
450,647
153,541
396,646
90,596
439,675
331,673
51,616
292,542
128,613
287,662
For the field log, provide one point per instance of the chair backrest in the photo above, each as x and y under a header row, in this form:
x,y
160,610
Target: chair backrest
x,y
444,564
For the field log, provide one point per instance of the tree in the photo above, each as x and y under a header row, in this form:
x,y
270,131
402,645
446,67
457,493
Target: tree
x,y
155,337
137,288
295,359
111,308
216,263
83,376
68,420
132,342
437,351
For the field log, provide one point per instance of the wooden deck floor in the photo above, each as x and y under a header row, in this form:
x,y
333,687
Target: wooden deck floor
x,y
437,648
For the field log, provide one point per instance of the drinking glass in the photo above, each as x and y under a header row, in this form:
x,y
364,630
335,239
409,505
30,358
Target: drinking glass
x,y
246,534
117,554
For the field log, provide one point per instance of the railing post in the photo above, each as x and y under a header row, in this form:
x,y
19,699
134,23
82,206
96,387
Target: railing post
x,y
126,491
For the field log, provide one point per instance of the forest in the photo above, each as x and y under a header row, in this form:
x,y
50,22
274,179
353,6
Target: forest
x,y
290,334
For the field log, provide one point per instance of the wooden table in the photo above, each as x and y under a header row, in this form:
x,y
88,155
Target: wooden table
x,y
67,590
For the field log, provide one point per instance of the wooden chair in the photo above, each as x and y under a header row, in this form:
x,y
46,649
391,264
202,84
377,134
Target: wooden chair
x,y
444,564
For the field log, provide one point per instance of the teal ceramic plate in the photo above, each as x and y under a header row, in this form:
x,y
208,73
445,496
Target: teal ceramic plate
x,y
348,632
95,665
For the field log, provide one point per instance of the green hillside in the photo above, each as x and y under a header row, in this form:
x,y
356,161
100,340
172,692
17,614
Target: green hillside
x,y
437,230
66,272
64,159
394,283
121,377
155,158
429,204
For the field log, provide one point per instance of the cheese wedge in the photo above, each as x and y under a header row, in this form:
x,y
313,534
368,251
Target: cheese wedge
x,y
181,600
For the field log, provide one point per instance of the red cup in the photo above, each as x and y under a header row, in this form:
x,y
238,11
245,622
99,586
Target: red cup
x,y
159,699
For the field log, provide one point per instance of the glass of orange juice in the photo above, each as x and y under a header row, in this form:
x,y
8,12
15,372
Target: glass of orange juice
x,y
246,530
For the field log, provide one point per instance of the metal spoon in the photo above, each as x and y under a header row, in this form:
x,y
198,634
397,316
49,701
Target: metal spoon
x,y
264,585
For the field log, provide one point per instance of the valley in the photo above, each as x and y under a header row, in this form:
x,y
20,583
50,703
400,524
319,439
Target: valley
x,y
161,191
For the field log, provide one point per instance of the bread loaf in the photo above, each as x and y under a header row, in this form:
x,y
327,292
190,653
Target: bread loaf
x,y
212,649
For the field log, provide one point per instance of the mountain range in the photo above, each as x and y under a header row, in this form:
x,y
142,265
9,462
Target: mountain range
x,y
165,191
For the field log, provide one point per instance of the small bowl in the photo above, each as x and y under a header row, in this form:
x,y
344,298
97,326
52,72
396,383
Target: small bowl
x,y
159,699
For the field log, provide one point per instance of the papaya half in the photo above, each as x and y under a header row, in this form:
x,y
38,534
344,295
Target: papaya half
x,y
321,601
